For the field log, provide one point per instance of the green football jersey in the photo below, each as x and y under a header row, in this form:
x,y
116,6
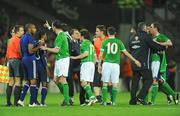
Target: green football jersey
x,y
156,57
61,42
87,46
111,49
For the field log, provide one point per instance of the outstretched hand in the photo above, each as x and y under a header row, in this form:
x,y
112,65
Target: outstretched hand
x,y
43,48
46,25
73,57
137,63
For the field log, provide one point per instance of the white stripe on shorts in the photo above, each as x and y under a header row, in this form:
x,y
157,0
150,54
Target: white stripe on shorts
x,y
34,69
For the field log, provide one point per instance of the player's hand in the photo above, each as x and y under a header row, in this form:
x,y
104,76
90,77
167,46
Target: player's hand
x,y
73,57
43,48
160,52
41,43
137,63
46,25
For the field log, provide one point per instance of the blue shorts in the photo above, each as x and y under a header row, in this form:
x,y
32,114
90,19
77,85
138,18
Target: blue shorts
x,y
29,69
41,72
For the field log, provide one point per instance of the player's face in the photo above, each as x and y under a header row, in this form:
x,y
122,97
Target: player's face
x,y
152,29
76,35
147,29
98,32
20,32
81,37
33,29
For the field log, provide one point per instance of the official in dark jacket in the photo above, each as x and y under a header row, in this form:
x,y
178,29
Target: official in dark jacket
x,y
141,45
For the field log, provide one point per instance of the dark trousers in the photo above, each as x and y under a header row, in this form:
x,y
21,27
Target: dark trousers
x,y
127,81
171,80
82,93
70,82
147,82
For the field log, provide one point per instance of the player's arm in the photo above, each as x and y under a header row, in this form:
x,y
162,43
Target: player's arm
x,y
153,45
7,50
46,25
167,43
33,49
52,50
83,55
95,58
132,58
100,61
19,48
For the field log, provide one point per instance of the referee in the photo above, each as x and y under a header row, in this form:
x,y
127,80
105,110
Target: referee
x,y
141,45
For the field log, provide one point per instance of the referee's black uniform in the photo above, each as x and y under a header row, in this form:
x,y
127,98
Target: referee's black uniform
x,y
141,45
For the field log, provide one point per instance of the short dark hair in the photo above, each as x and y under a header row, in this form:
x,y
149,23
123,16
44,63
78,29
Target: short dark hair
x,y
64,27
27,26
157,25
111,30
39,34
17,27
57,24
101,28
10,31
141,26
73,30
85,33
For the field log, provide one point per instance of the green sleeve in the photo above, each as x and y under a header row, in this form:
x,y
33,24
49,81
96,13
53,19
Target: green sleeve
x,y
164,38
85,47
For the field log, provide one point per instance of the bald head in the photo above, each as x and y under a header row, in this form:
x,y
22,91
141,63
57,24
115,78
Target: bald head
x,y
30,28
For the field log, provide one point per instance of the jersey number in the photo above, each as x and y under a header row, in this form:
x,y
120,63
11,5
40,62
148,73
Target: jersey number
x,y
112,48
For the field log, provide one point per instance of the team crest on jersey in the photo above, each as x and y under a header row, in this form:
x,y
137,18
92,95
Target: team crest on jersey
x,y
136,38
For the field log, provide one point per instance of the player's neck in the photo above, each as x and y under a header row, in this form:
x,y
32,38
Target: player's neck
x,y
156,34
30,33
17,35
58,31
102,37
111,36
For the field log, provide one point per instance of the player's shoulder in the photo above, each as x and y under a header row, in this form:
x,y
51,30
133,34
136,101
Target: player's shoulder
x,y
96,39
105,41
165,36
85,41
162,36
117,40
61,33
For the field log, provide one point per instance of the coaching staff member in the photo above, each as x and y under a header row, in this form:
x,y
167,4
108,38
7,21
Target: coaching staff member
x,y
141,45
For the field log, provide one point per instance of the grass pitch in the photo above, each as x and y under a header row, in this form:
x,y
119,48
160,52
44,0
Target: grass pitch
x,y
121,109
